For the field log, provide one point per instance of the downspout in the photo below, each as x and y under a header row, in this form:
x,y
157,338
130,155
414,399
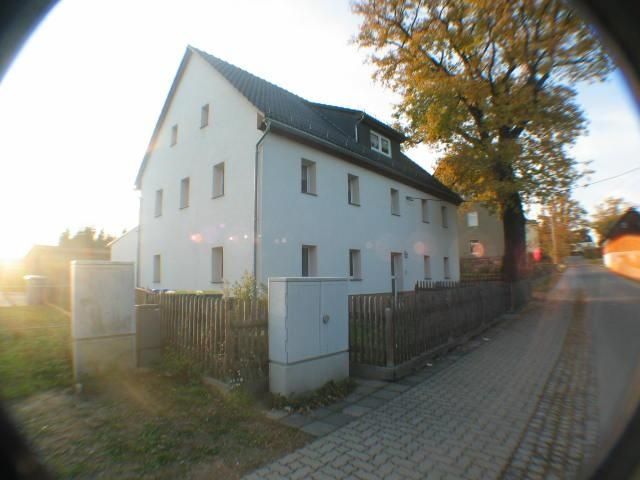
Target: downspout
x,y
356,126
255,204
139,239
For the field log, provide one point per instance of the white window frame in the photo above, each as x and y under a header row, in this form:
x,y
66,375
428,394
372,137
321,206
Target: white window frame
x,y
353,189
447,268
445,216
472,244
217,265
185,192
427,267
157,268
204,116
217,189
425,210
309,261
174,135
379,139
308,177
394,196
472,219
355,264
157,209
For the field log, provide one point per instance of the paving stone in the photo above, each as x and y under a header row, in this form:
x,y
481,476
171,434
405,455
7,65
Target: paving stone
x,y
296,420
385,394
318,428
356,410
493,412
321,412
338,419
371,402
396,387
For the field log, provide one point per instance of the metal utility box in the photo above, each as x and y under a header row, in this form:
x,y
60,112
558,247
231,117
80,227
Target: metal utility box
x,y
308,333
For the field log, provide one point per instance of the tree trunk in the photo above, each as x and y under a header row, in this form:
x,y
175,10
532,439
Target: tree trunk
x,y
515,245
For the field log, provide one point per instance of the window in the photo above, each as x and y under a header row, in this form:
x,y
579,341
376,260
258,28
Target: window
x,y
204,116
354,190
395,202
174,135
156,269
447,272
308,176
425,211
475,248
443,211
218,180
309,261
380,144
184,192
472,219
158,205
217,264
354,265
427,267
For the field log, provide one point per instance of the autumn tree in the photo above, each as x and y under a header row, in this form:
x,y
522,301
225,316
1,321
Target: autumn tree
x,y
562,224
492,83
607,213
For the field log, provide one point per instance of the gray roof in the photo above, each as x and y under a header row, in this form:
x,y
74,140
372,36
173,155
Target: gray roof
x,y
330,125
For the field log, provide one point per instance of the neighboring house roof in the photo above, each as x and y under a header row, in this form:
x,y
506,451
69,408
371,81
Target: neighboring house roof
x,y
124,235
627,224
325,126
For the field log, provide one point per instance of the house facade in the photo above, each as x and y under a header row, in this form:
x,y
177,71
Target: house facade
x,y
621,245
242,176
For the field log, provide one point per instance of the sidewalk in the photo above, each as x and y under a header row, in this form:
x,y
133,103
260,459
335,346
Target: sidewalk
x,y
473,419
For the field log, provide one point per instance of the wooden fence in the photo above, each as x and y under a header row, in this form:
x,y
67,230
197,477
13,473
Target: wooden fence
x,y
226,337
387,334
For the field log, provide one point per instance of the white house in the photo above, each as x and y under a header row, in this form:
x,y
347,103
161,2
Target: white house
x,y
244,176
125,247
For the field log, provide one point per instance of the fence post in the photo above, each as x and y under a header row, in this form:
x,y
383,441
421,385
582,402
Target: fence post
x,y
390,336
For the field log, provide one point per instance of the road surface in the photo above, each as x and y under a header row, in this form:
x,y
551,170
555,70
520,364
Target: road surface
x,y
541,398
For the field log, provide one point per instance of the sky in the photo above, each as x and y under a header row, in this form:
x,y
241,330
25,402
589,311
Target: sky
x,y
80,102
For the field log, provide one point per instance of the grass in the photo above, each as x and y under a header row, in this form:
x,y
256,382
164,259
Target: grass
x,y
329,393
153,424
34,350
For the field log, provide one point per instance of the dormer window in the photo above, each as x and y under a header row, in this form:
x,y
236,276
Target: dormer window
x,y
380,144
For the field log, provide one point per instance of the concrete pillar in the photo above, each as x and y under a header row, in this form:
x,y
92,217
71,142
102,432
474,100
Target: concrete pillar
x,y
150,335
308,333
102,317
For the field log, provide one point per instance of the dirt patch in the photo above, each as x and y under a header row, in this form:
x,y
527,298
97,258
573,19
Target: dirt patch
x,y
151,426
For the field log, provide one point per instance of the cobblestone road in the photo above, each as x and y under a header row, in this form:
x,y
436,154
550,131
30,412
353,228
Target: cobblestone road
x,y
493,413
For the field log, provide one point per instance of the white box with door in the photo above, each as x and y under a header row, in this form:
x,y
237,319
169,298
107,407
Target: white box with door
x,y
308,333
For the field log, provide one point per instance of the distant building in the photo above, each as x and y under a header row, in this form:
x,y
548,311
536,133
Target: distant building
x,y
621,245
125,248
53,262
481,239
